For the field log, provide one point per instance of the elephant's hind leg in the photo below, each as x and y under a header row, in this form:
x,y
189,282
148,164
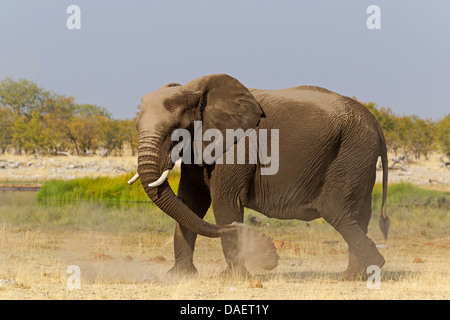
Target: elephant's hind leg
x,y
345,203
363,222
362,251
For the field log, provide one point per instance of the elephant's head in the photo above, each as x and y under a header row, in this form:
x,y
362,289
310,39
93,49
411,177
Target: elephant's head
x,y
220,102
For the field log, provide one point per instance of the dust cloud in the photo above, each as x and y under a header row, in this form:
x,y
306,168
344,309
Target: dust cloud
x,y
256,248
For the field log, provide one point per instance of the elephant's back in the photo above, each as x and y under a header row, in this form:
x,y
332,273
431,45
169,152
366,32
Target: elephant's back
x,y
313,104
301,98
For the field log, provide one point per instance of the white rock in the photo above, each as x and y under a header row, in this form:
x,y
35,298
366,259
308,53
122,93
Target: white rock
x,y
6,282
296,263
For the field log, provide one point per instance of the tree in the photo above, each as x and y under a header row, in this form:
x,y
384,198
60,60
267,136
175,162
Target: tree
x,y
60,111
36,120
131,135
113,136
443,135
23,97
85,127
27,103
6,124
422,141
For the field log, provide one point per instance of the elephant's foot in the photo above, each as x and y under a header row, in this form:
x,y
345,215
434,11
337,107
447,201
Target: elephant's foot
x,y
354,274
183,270
357,268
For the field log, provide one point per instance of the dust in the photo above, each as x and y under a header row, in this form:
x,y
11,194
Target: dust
x,y
256,248
119,271
100,262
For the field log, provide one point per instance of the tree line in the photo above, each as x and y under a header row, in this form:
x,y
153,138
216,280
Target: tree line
x,y
35,120
411,135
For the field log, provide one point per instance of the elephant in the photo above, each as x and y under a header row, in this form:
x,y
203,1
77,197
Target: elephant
x,y
328,150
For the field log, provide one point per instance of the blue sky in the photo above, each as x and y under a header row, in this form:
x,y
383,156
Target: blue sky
x,y
126,49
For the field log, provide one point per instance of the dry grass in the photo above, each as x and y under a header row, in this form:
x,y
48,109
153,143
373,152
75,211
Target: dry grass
x,y
125,253
132,265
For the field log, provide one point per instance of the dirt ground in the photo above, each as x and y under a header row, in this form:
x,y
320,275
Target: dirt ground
x,y
28,168
134,266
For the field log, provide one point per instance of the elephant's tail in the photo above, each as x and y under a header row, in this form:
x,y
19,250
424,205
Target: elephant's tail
x,y
384,221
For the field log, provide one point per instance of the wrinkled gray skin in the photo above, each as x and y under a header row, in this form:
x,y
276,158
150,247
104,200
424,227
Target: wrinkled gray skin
x,y
328,144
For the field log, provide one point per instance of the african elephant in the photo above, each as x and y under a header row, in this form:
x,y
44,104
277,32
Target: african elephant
x,y
328,150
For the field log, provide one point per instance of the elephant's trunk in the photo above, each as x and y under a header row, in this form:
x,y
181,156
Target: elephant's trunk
x,y
151,165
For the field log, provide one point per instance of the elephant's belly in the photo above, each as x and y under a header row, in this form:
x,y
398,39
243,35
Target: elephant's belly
x,y
284,198
298,214
286,212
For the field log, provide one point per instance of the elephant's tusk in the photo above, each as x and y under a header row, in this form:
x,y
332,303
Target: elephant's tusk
x,y
160,180
134,179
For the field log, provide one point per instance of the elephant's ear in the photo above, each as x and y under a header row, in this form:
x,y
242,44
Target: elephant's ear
x,y
228,104
225,103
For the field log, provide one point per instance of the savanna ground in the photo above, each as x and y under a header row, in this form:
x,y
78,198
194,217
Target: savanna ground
x,y
124,251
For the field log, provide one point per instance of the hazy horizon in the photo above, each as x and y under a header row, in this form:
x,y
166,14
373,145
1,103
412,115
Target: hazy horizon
x,y
126,49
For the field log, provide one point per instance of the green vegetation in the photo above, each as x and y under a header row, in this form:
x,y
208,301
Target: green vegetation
x,y
35,120
407,195
99,189
117,190
412,135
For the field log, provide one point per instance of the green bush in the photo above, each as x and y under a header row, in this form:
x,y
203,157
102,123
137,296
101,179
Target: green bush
x,y
408,195
99,189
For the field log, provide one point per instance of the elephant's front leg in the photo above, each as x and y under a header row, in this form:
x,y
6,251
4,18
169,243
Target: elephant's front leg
x,y
184,242
229,185
226,214
196,197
